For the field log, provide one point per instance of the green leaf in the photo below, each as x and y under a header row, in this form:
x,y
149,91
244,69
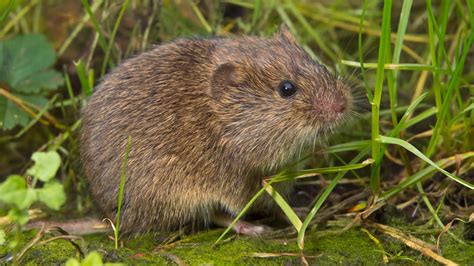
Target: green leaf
x,y
15,192
52,195
48,79
25,63
46,165
11,115
25,55
72,262
19,216
92,259
2,237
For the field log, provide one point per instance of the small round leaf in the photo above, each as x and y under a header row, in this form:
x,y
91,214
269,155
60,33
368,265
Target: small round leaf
x,y
46,165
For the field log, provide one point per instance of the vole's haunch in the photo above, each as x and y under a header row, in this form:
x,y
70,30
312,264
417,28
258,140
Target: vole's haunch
x,y
209,119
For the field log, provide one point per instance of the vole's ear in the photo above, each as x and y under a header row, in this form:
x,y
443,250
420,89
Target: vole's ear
x,y
224,76
285,34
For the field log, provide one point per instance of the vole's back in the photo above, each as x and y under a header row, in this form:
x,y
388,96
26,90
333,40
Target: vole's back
x,y
159,99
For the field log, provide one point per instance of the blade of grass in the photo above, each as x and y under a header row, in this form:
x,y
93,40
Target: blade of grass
x,y
200,16
361,55
420,117
307,26
349,146
419,154
121,189
30,124
284,176
98,29
392,76
453,83
86,78
391,66
242,212
6,11
285,207
257,12
18,16
418,176
377,155
78,28
112,39
408,112
317,171
434,59
324,196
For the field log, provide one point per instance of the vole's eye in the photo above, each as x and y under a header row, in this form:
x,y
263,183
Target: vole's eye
x,y
287,89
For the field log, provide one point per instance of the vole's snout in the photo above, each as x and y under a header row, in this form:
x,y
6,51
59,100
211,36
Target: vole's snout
x,y
331,108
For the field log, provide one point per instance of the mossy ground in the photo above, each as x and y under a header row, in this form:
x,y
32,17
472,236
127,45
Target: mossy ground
x,y
323,247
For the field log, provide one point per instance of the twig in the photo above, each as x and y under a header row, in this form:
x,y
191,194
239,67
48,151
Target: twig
x,y
23,105
424,248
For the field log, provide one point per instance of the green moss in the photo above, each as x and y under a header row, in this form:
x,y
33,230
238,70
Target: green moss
x,y
327,246
450,248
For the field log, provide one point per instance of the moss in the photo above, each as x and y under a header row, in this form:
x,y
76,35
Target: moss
x,y
327,246
460,253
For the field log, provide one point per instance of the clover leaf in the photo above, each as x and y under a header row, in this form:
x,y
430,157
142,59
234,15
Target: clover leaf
x,y
52,195
15,192
46,165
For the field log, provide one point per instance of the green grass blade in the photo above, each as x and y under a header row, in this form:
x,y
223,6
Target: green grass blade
x,y
257,13
18,16
285,207
78,28
391,66
418,176
361,55
348,146
377,155
316,171
112,38
98,29
453,83
419,117
324,196
408,112
392,76
6,11
307,26
84,78
402,27
121,189
200,17
419,154
243,211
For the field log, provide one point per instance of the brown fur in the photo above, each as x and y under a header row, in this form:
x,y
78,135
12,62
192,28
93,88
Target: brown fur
x,y
207,125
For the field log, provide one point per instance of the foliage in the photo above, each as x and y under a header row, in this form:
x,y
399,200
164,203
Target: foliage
x,y
92,259
16,196
25,73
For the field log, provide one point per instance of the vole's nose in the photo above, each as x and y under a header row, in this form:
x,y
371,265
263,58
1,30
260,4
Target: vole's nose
x,y
330,107
339,103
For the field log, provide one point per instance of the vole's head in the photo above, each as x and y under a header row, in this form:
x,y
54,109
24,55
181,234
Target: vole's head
x,y
271,97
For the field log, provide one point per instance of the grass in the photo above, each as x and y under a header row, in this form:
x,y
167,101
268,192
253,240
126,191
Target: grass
x,y
410,61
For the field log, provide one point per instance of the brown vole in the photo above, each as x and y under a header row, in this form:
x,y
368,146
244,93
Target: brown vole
x,y
209,119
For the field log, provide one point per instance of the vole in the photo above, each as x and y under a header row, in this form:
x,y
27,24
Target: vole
x,y
209,119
